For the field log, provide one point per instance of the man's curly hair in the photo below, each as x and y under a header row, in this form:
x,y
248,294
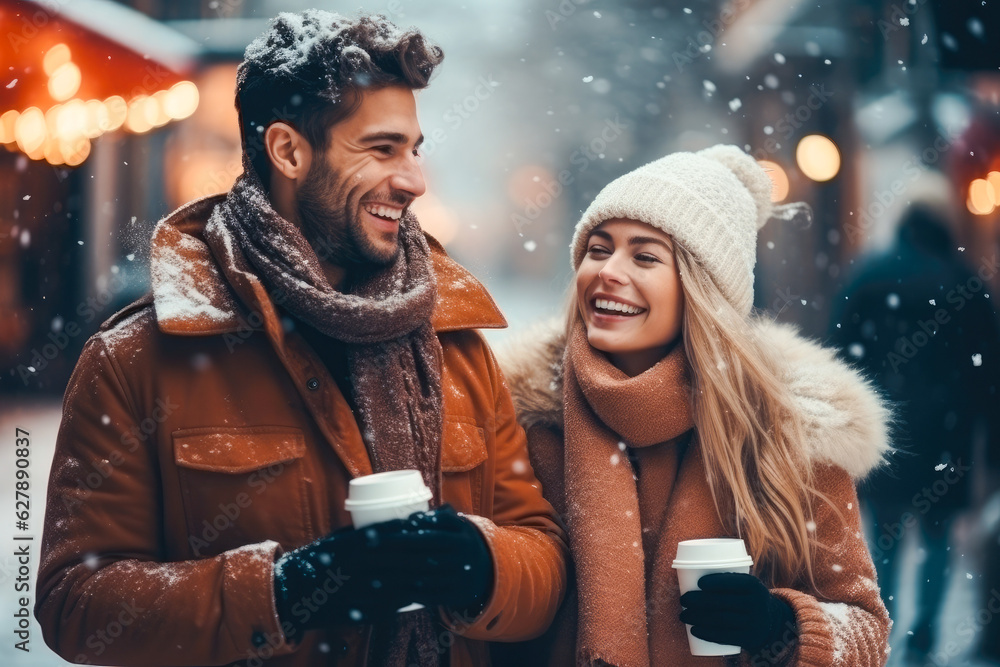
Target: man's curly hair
x,y
310,68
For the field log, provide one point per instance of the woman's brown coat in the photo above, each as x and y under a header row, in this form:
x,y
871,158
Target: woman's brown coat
x,y
845,437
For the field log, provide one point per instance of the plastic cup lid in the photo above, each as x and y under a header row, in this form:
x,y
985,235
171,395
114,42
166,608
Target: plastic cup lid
x,y
710,565
712,553
391,486
392,501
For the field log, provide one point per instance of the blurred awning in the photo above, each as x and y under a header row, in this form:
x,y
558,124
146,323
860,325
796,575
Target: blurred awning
x,y
74,70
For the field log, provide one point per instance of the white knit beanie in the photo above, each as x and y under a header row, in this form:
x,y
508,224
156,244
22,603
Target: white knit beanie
x,y
712,202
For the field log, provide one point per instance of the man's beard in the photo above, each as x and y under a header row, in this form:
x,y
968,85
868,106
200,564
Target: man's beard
x,y
331,225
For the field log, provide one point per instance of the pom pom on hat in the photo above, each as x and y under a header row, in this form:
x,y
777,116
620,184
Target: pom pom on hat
x,y
712,202
750,174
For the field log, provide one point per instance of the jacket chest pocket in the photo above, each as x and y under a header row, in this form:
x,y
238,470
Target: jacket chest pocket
x,y
463,454
242,485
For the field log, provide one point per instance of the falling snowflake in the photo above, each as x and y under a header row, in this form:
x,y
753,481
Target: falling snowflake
x,y
977,359
530,246
941,466
892,301
904,22
735,104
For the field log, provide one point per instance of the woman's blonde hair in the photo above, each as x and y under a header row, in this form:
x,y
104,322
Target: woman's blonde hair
x,y
748,430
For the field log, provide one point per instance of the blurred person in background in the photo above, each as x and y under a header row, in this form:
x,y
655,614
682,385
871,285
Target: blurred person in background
x,y
661,410
302,331
922,325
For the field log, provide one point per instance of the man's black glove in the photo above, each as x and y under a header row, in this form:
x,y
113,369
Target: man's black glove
x,y
364,576
444,559
738,609
345,577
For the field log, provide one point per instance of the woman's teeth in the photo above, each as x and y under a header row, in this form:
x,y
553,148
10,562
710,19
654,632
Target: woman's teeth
x,y
384,211
616,307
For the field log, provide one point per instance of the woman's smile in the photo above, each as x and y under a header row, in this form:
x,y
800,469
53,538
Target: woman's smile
x,y
607,309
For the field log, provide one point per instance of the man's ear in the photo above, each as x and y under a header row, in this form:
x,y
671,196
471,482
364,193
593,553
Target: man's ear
x,y
289,151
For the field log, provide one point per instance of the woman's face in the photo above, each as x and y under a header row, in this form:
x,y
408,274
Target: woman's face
x,y
629,293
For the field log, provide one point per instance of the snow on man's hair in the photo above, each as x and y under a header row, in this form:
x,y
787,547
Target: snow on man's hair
x,y
307,68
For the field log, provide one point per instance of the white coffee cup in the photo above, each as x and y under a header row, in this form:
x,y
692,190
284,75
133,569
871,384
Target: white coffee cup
x,y
695,559
385,496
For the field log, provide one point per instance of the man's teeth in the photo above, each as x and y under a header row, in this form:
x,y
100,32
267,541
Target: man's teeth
x,y
605,304
384,211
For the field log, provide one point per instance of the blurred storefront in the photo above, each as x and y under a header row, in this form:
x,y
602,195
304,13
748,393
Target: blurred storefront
x,y
86,83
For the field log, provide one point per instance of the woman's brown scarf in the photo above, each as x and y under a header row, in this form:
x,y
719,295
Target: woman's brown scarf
x,y
606,412
393,354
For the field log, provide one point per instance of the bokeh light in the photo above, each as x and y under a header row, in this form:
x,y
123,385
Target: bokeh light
x,y
818,157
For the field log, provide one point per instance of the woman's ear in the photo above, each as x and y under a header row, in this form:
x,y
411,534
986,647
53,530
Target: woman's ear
x,y
289,151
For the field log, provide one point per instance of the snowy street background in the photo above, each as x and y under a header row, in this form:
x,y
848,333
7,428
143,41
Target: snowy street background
x,y
862,108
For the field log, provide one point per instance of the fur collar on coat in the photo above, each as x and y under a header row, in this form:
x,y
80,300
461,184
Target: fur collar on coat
x,y
845,419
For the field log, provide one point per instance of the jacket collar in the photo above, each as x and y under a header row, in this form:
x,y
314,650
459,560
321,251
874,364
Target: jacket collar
x,y
191,296
845,420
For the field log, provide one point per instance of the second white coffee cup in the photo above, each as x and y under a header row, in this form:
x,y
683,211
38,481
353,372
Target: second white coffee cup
x,y
695,559
385,496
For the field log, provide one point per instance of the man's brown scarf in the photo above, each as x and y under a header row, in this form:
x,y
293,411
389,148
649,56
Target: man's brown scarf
x,y
393,354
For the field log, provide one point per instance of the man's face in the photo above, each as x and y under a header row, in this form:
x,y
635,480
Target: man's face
x,y
355,192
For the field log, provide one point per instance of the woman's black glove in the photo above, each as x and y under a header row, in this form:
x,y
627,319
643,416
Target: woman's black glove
x,y
738,609
364,576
